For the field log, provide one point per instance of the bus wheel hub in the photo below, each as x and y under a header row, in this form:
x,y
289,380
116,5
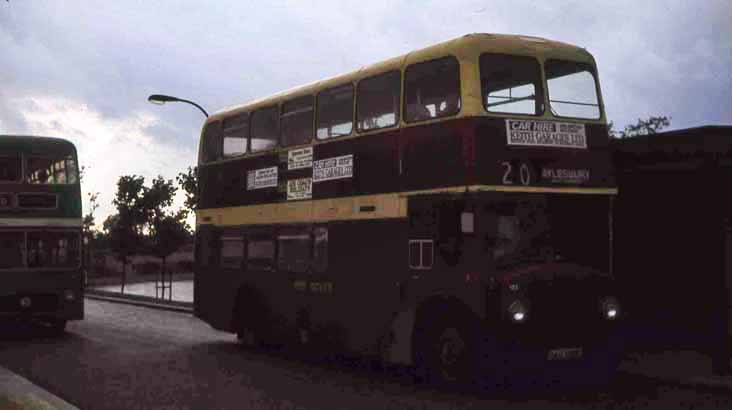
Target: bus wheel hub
x,y
451,347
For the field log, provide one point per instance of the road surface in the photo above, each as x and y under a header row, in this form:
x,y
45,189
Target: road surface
x,y
129,357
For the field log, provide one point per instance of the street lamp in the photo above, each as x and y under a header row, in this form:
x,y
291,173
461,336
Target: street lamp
x,y
161,99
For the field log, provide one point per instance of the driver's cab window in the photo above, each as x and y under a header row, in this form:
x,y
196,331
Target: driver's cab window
x,y
520,231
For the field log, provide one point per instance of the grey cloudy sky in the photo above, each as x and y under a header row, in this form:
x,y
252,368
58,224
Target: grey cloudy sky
x,y
83,70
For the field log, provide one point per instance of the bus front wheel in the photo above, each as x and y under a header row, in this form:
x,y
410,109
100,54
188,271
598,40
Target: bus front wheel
x,y
447,352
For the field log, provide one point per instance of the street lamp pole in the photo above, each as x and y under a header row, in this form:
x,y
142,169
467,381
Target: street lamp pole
x,y
161,99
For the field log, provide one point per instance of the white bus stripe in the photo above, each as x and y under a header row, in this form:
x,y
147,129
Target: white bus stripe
x,y
41,222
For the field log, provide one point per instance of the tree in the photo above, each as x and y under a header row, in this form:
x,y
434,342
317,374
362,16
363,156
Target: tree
x,y
125,228
166,231
88,223
188,181
649,126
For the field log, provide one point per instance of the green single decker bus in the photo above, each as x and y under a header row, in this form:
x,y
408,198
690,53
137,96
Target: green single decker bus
x,y
41,278
448,209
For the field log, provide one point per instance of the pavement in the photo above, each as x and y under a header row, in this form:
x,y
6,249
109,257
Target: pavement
x,y
17,393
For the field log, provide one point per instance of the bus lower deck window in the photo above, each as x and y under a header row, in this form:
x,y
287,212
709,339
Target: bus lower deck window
x,y
232,251
260,253
11,250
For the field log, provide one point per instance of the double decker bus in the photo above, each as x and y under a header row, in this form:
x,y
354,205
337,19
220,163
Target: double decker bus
x,y
40,231
449,209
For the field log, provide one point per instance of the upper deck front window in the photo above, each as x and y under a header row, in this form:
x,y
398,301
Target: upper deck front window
x,y
10,169
572,89
511,84
51,170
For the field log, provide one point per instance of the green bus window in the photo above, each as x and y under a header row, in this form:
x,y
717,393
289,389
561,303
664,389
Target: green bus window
x,y
260,253
265,129
52,249
232,252
71,171
10,169
572,89
320,249
43,170
297,121
294,250
335,112
511,84
212,144
432,89
377,101
11,250
236,133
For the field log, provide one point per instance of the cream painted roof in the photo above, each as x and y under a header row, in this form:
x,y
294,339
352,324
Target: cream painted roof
x,y
466,47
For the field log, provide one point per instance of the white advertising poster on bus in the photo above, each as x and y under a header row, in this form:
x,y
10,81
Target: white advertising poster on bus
x,y
301,188
333,168
300,158
262,178
546,134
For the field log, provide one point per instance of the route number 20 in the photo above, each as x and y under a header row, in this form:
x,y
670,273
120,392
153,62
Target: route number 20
x,y
509,177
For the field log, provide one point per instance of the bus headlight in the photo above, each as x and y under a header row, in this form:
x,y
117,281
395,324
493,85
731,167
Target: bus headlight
x,y
518,310
610,308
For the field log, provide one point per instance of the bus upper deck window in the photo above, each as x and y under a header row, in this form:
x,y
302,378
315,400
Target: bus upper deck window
x,y
45,170
212,144
335,112
236,133
377,101
10,169
511,84
432,89
572,89
265,129
297,121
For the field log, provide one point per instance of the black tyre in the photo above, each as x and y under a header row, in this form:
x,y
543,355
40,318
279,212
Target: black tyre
x,y
447,351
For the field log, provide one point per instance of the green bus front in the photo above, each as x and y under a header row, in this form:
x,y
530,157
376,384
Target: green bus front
x,y
40,231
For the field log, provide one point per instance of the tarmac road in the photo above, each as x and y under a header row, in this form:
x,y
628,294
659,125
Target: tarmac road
x,y
130,357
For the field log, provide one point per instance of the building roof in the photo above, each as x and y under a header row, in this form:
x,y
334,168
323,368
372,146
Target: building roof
x,y
705,141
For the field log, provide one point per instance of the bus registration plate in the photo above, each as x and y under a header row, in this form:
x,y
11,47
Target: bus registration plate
x,y
565,354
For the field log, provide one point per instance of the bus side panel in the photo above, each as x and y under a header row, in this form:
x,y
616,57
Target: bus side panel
x,y
432,156
366,261
498,163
